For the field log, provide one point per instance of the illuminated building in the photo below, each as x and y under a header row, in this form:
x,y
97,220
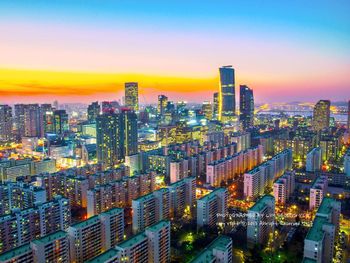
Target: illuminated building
x,y
32,125
216,105
246,107
257,179
318,191
260,221
212,208
93,111
19,119
314,160
347,163
19,195
348,116
228,167
207,110
242,139
178,170
128,130
99,199
134,163
132,95
112,227
321,237
60,118
85,239
5,123
321,115
284,187
330,145
150,209
215,136
227,100
220,250
50,248
46,113
152,245
109,147
162,104
11,169
182,196
22,226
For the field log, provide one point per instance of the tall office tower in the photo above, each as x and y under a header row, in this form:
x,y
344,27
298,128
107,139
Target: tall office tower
x,y
321,115
227,100
314,160
246,107
182,196
112,227
260,221
220,250
162,104
132,95
5,122
212,208
284,187
109,147
51,248
150,209
207,109
216,105
85,239
318,191
32,125
47,119
60,120
93,111
320,240
19,119
128,130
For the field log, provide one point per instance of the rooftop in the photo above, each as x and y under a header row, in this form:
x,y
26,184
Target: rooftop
x,y
51,237
109,254
316,232
159,225
326,205
212,194
15,252
132,241
87,222
260,204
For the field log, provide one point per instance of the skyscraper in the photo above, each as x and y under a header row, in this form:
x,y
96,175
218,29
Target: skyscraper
x,y
227,100
93,111
162,104
321,115
60,120
47,122
32,125
5,122
132,95
19,119
216,104
108,139
246,107
207,109
128,131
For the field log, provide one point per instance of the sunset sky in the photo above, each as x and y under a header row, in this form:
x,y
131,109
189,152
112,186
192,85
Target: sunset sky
x,y
80,51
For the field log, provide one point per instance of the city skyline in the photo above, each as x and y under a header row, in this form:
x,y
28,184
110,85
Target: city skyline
x,y
81,53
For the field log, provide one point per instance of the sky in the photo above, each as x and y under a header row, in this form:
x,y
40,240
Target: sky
x,y
81,51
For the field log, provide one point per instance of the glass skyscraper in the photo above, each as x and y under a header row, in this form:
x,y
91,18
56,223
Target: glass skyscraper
x,y
132,95
246,107
227,100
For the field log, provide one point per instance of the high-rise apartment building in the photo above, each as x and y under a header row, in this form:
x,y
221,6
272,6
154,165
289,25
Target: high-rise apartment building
x,y
212,208
321,115
246,107
260,221
128,130
318,191
132,95
227,99
284,187
5,122
32,125
314,160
